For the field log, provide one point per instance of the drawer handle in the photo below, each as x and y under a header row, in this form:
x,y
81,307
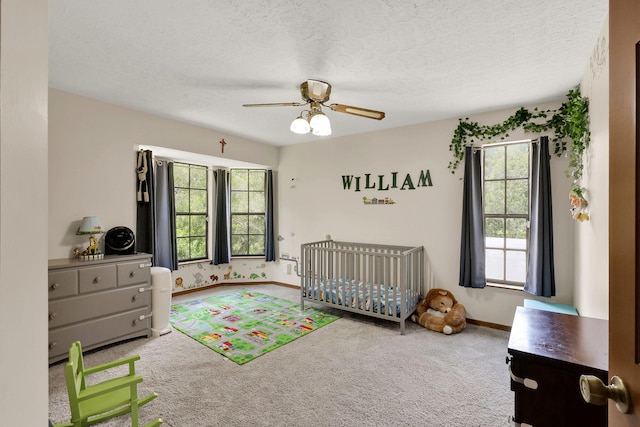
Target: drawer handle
x,y
96,279
52,345
52,316
55,286
141,318
134,298
527,382
132,274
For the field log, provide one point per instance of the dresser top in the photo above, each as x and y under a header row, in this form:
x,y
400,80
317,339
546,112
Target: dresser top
x,y
560,337
108,259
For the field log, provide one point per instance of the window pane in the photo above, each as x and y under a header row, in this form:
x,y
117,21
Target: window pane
x,y
518,161
239,224
518,197
239,201
256,180
182,200
494,197
247,211
494,264
183,247
256,202
180,175
256,244
198,177
239,244
506,205
198,247
256,224
198,225
198,201
494,163
516,266
192,210
182,225
494,232
240,179
517,233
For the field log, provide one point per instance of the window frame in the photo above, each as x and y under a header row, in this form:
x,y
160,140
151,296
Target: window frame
x,y
191,215
248,213
506,216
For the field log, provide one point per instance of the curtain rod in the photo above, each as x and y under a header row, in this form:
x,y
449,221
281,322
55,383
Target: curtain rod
x,y
499,144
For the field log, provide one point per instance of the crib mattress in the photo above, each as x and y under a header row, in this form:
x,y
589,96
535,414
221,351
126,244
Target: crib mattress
x,y
363,296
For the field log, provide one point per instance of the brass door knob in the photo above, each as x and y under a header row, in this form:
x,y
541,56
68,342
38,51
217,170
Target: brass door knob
x,y
594,391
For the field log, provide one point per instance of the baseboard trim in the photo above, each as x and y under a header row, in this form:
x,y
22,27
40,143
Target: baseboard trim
x,y
220,285
489,325
287,285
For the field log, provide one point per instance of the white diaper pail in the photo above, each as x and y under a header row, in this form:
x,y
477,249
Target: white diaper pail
x,y
160,300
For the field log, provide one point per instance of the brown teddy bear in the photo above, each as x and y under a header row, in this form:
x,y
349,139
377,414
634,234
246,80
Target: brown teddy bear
x,y
440,312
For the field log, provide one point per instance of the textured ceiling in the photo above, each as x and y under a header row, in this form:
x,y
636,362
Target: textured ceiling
x,y
198,61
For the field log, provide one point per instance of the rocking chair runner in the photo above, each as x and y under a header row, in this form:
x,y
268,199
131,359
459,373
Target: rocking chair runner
x,y
110,398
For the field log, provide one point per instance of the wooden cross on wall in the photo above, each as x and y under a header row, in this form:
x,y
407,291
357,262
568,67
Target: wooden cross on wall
x,y
223,143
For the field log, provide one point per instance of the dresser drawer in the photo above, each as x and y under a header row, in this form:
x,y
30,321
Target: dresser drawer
x,y
95,333
97,278
133,272
63,283
91,306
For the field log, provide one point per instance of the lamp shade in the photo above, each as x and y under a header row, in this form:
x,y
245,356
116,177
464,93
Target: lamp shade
x,y
320,125
300,126
90,225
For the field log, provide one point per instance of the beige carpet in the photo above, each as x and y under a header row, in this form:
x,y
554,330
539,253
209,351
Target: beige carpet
x,y
354,372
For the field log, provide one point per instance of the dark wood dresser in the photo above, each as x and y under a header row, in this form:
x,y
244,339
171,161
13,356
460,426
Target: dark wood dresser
x,y
547,354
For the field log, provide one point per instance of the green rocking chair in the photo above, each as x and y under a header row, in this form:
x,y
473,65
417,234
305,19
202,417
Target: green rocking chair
x,y
111,398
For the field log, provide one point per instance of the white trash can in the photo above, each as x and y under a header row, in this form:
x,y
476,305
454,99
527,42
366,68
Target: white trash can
x,y
160,301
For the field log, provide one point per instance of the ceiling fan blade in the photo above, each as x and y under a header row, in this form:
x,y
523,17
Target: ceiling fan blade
x,y
277,104
357,111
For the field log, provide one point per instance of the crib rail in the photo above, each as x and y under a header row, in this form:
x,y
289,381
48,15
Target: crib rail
x,y
382,281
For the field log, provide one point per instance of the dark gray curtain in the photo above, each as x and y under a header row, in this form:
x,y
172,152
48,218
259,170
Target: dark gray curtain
x,y
270,245
145,215
472,261
540,272
166,252
221,247
155,218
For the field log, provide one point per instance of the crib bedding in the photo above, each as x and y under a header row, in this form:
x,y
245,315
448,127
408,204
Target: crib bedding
x,y
363,296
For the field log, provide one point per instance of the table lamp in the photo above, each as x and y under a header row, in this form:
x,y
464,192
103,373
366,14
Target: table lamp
x,y
90,225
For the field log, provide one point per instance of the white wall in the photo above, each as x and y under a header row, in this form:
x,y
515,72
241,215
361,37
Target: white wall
x,y
23,213
592,238
92,162
312,203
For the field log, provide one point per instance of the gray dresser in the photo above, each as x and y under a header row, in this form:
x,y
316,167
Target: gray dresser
x,y
98,302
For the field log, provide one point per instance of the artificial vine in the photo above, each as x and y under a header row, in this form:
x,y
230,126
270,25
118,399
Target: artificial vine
x,y
570,123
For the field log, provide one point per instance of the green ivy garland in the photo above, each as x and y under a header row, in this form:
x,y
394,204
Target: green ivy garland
x,y
570,123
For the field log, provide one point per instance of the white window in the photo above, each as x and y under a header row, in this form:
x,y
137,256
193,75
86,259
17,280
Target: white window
x,y
191,201
506,172
248,206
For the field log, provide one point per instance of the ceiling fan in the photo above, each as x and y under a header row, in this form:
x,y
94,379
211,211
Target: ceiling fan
x,y
315,93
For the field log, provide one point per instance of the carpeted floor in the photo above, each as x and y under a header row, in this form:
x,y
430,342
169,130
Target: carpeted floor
x,y
355,371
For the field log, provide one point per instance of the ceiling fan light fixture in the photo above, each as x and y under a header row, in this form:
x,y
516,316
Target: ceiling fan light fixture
x,y
320,124
300,126
315,93
321,131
